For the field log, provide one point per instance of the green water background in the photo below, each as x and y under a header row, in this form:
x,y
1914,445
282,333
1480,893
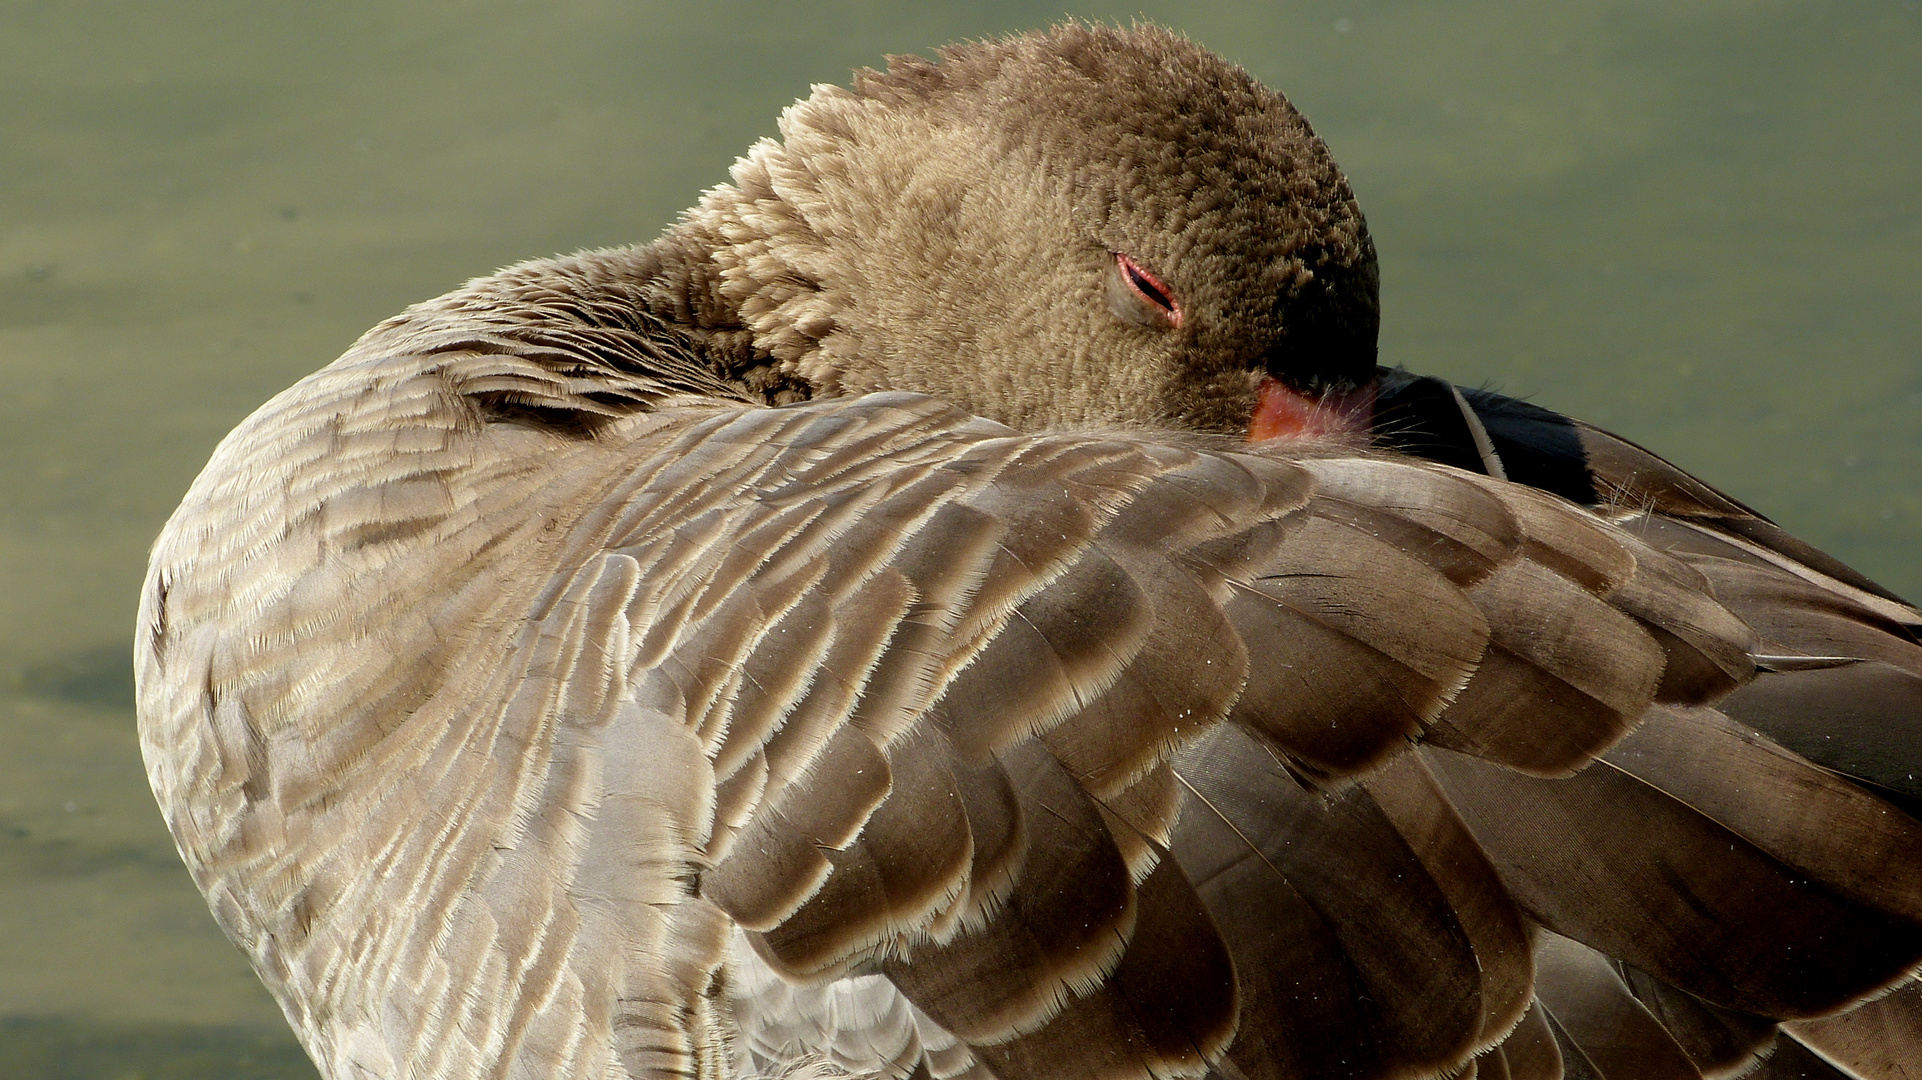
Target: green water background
x,y
1698,223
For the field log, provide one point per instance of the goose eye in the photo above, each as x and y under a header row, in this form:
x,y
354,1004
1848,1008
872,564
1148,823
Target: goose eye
x,y
1148,289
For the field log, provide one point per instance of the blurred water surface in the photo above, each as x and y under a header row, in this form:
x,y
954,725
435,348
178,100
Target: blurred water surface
x,y
1699,223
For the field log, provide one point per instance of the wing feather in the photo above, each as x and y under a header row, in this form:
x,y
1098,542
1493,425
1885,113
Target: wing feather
x,y
1614,861
1005,755
1394,934
1595,1011
1878,1039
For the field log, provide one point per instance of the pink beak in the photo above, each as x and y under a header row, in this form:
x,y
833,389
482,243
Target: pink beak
x,y
1283,413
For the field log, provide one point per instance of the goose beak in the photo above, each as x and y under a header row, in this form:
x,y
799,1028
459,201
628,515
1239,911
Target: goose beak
x,y
1282,412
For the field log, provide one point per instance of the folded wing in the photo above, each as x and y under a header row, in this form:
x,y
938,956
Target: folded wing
x,y
905,743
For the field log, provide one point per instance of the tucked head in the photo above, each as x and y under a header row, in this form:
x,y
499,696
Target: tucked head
x,y
1087,226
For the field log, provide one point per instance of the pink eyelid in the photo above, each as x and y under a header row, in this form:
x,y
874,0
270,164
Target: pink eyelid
x,y
1134,274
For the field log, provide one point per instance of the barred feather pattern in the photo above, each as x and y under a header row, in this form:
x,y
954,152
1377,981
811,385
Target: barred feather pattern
x,y
868,737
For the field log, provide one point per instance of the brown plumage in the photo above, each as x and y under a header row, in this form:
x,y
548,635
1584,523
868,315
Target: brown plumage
x,y
852,635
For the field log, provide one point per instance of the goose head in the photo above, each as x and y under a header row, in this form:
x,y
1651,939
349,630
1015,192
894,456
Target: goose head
x,y
1087,227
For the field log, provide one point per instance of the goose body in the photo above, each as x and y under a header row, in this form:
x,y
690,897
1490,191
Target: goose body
x,y
855,635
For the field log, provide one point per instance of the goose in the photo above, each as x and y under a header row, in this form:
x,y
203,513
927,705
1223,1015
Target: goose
x,y
967,602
